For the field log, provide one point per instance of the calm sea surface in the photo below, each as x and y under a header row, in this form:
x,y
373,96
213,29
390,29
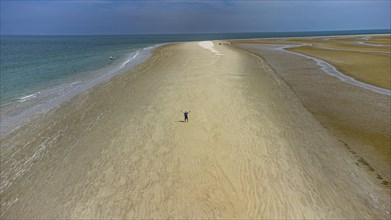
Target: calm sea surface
x,y
39,72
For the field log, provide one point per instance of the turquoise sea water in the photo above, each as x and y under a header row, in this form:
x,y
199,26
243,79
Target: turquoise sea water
x,y
40,72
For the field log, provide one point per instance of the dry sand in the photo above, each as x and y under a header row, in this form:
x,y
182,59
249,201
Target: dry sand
x,y
250,149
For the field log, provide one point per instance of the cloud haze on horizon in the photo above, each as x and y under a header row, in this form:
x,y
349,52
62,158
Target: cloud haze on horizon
x,y
161,17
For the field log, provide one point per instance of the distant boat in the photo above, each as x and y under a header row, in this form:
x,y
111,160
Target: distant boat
x,y
112,58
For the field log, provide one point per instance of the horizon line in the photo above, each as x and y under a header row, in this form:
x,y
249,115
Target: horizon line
x,y
175,33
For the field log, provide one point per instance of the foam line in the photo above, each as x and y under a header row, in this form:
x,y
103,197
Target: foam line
x,y
27,97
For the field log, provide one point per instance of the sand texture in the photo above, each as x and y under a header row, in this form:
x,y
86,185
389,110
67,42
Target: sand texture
x,y
360,118
250,149
365,58
370,67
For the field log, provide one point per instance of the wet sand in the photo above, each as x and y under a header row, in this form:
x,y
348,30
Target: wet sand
x,y
371,67
251,149
365,58
358,117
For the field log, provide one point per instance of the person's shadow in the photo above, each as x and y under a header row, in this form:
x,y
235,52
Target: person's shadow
x,y
180,121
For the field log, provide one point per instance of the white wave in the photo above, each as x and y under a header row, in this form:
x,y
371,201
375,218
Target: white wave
x,y
126,62
27,97
149,48
75,83
134,56
130,59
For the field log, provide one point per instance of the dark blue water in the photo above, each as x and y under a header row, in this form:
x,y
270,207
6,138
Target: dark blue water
x,y
39,71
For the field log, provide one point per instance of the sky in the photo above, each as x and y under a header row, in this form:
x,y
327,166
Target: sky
x,y
90,17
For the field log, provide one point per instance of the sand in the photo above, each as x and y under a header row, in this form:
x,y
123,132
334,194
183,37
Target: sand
x,y
372,68
360,118
364,58
250,149
209,45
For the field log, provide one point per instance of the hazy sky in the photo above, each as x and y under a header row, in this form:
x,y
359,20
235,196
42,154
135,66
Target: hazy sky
x,y
161,16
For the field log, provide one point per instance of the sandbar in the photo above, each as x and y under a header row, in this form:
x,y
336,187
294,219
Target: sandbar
x,y
251,149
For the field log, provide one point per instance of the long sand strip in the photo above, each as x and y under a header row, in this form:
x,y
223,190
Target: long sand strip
x,y
250,149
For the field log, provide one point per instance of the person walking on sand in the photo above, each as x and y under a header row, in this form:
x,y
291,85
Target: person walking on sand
x,y
186,117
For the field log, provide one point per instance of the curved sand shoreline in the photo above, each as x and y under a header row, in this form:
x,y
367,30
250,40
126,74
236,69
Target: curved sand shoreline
x,y
332,70
250,150
14,115
351,60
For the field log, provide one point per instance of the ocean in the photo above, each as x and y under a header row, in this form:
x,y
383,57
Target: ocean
x,y
38,73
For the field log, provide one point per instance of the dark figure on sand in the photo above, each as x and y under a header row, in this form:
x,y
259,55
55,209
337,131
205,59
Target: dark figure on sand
x,y
185,114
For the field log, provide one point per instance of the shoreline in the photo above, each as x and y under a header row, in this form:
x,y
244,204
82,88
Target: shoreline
x,y
333,71
17,112
329,68
10,123
251,149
